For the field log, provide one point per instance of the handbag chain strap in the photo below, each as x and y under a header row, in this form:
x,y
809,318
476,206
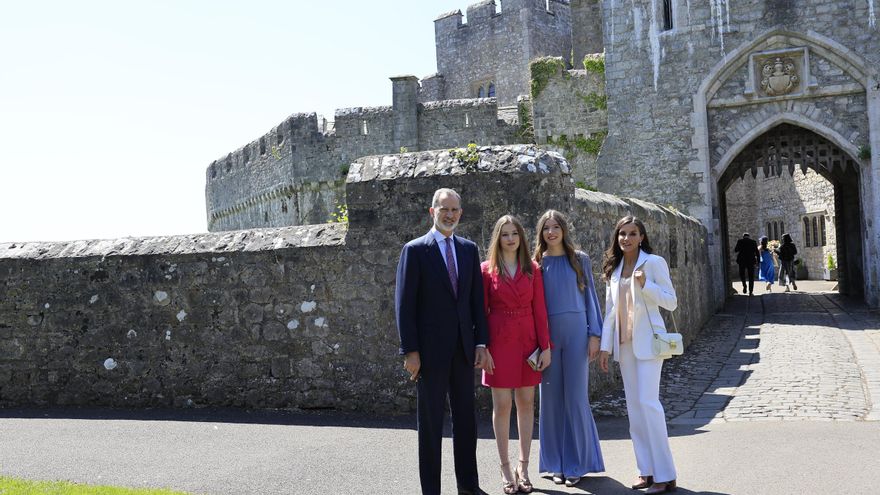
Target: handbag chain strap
x,y
671,313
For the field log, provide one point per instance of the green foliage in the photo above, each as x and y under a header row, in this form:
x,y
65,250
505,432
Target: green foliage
x,y
276,151
343,169
594,100
830,262
542,69
595,63
865,152
592,144
340,215
404,149
583,185
468,156
16,485
526,130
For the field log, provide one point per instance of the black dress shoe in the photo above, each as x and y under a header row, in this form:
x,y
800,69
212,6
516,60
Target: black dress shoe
x,y
475,491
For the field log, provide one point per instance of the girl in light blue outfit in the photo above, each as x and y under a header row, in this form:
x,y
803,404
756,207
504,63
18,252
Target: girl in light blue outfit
x,y
569,441
767,272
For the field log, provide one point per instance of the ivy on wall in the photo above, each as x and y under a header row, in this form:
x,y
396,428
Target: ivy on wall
x,y
595,63
591,145
542,69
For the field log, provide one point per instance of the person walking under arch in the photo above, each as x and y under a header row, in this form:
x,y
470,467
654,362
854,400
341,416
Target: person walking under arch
x,y
747,258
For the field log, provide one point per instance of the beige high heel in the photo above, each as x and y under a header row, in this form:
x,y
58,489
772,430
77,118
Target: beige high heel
x,y
522,482
507,485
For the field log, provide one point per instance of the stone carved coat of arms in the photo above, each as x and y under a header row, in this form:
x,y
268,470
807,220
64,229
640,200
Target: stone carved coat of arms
x,y
778,76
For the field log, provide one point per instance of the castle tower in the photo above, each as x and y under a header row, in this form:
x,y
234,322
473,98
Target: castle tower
x,y
586,29
489,55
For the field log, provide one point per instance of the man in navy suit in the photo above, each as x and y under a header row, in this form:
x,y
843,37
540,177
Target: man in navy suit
x,y
747,257
443,336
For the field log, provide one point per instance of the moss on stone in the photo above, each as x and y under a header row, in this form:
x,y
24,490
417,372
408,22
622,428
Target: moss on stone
x,y
542,69
595,63
594,100
591,145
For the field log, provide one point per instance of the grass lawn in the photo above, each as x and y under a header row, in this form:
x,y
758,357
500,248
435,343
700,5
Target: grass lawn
x,y
14,486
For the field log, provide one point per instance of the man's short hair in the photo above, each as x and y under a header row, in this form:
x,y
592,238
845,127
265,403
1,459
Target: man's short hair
x,y
745,234
441,192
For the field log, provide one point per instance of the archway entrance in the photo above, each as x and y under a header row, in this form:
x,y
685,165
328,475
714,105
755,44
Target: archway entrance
x,y
820,206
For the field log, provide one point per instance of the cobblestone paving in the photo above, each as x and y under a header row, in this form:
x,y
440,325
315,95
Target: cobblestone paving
x,y
804,355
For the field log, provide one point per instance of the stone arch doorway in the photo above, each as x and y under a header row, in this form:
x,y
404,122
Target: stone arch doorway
x,y
774,157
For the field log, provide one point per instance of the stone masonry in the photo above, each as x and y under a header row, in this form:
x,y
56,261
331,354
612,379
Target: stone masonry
x,y
295,317
683,103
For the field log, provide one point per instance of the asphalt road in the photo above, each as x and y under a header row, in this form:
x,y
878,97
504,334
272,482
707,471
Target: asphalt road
x,y
234,452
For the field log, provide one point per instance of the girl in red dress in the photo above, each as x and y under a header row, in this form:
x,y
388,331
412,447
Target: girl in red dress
x,y
514,297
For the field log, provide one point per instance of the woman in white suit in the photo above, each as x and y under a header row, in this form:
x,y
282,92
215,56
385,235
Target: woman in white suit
x,y
637,286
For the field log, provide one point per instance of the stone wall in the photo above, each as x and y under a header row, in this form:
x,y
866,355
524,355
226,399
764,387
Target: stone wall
x,y
496,47
296,317
570,115
682,101
753,203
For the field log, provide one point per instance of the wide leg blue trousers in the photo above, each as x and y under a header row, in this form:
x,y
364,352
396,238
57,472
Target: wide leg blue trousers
x,y
569,439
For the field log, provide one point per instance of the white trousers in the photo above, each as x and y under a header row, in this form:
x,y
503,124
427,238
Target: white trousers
x,y
647,421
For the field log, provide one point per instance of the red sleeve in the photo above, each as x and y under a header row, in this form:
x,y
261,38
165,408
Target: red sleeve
x,y
539,308
487,282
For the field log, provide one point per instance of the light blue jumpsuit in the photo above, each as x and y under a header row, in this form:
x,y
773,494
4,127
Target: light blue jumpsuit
x,y
568,437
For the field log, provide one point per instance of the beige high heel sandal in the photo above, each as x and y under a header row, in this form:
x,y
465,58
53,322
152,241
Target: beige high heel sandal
x,y
507,486
522,482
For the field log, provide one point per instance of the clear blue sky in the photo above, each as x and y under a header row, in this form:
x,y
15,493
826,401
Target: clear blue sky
x,y
110,111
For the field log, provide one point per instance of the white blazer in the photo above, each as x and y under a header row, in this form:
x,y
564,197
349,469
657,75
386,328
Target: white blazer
x,y
657,292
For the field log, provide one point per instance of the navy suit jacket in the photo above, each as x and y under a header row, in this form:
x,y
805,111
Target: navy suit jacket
x,y
430,319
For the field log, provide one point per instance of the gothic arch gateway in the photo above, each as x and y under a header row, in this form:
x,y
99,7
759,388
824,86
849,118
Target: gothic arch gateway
x,y
807,87
781,152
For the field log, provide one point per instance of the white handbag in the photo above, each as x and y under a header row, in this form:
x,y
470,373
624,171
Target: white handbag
x,y
665,345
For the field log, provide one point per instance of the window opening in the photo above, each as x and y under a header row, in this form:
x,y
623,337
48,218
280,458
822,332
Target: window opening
x,y
822,228
481,93
806,232
467,119
491,93
364,129
815,232
667,15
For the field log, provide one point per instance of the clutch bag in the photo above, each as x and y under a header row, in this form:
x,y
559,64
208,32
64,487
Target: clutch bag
x,y
533,359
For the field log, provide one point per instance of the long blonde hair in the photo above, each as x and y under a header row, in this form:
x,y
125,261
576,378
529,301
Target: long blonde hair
x,y
522,252
567,245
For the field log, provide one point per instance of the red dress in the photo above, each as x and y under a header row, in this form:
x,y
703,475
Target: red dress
x,y
517,325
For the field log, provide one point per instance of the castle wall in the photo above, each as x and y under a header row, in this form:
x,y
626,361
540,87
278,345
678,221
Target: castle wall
x,y
294,175
662,105
296,317
497,47
455,123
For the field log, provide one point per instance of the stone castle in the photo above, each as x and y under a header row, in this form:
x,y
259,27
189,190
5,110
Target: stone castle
x,y
705,119
692,102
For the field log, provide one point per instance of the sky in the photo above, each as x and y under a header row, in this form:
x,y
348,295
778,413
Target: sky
x,y
111,111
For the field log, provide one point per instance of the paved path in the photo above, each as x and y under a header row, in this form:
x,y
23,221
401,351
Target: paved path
x,y
806,354
780,394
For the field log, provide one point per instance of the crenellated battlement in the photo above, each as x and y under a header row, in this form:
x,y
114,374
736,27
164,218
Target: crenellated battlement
x,y
482,12
298,128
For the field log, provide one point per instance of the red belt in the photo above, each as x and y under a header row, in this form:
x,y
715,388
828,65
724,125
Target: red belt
x,y
503,312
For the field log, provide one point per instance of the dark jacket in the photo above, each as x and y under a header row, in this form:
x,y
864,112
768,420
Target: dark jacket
x,y
786,252
747,252
430,319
